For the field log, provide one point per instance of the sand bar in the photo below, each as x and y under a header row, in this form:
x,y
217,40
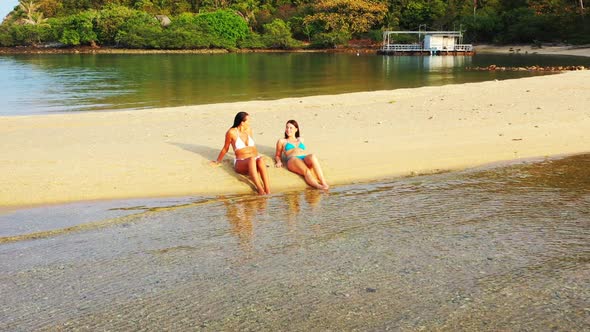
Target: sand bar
x,y
358,137
575,50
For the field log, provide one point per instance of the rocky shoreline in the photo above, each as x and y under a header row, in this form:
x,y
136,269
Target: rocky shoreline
x,y
528,68
358,47
98,50
114,50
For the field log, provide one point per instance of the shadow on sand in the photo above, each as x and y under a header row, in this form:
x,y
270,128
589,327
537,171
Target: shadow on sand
x,y
227,164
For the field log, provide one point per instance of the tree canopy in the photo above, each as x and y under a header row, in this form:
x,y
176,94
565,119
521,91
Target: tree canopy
x,y
286,23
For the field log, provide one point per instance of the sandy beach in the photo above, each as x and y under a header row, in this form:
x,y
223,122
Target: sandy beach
x,y
486,249
574,50
358,137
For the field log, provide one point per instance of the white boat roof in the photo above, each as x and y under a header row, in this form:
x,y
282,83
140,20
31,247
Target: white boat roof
x,y
446,33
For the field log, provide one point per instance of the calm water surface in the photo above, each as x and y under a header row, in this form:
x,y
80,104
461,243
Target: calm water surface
x,y
37,84
495,249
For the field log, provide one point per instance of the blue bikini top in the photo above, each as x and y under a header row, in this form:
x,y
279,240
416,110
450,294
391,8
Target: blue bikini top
x,y
290,146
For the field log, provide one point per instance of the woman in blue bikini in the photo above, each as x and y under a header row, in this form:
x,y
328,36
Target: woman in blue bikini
x,y
297,160
247,160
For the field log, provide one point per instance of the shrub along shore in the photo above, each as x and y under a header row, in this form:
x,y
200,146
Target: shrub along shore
x,y
289,24
116,50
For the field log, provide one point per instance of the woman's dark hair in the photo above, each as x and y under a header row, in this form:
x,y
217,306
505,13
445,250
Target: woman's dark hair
x,y
294,123
240,117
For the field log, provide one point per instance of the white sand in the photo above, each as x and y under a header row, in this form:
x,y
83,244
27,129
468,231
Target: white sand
x,y
358,137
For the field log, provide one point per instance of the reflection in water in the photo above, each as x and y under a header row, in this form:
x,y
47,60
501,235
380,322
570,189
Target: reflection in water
x,y
293,200
245,213
241,214
295,206
33,84
498,249
426,63
44,86
437,63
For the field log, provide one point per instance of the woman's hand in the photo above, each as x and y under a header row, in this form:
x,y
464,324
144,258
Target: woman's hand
x,y
215,163
279,153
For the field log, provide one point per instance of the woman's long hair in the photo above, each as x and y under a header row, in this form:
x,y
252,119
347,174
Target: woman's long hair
x,y
240,117
294,123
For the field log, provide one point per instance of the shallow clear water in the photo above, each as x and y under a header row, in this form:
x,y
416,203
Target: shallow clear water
x,y
45,83
503,248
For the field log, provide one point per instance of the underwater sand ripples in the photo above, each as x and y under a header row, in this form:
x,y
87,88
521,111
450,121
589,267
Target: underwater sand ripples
x,y
496,249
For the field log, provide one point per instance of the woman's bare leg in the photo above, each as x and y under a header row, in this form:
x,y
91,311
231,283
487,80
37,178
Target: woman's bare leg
x,y
312,162
248,167
297,165
263,174
252,171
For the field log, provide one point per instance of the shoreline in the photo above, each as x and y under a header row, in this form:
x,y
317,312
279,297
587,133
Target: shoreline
x,y
523,49
358,137
489,250
547,49
224,196
113,50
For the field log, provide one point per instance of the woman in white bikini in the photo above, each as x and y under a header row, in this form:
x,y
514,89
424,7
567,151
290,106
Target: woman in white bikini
x,y
247,161
297,160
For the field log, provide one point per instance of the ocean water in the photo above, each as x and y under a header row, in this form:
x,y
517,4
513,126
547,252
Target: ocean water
x,y
50,83
496,248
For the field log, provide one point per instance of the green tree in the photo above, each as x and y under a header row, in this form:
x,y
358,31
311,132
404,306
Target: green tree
x,y
226,27
140,31
247,9
324,22
6,38
109,21
146,6
253,40
420,12
78,29
29,34
186,32
330,39
214,4
483,28
49,8
277,34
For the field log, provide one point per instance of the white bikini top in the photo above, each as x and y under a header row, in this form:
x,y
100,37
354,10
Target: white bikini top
x,y
240,144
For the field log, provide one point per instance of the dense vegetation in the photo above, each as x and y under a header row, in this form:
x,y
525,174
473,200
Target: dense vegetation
x,y
231,24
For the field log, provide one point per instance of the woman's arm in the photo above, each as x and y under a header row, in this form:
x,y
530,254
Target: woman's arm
x,y
225,148
279,153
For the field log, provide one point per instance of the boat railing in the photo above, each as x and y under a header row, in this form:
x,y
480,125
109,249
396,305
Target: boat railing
x,y
464,47
419,48
402,47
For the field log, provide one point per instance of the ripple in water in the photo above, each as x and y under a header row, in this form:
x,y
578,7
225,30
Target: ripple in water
x,y
42,83
505,248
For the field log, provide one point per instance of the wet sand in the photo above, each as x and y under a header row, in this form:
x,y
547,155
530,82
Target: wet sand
x,y
488,250
358,137
495,249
